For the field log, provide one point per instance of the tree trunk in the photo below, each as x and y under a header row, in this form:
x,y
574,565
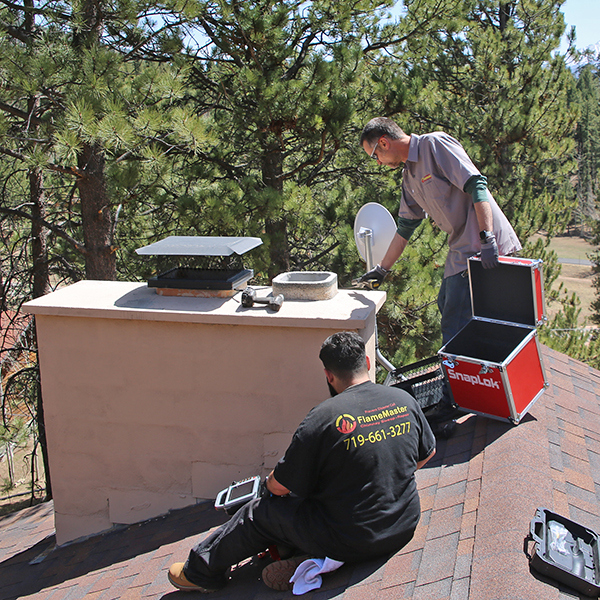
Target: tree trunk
x,y
41,426
96,216
279,252
100,262
39,235
505,14
276,225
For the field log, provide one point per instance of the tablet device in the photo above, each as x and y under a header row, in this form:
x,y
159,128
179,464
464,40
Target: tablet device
x,y
238,493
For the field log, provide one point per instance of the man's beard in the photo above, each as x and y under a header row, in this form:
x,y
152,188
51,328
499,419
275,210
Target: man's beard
x,y
331,390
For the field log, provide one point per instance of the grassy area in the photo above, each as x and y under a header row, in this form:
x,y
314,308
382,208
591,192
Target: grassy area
x,y
575,278
575,248
578,279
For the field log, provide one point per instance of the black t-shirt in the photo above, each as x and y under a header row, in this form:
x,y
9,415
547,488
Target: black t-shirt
x,y
353,460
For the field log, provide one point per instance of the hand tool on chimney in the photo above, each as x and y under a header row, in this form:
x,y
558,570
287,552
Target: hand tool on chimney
x,y
249,299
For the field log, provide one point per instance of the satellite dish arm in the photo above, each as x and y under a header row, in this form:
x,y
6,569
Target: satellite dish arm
x,y
366,235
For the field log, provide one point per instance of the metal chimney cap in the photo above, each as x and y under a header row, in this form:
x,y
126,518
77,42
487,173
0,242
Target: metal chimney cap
x,y
189,245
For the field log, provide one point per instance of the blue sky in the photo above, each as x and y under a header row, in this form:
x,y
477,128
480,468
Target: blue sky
x,y
585,16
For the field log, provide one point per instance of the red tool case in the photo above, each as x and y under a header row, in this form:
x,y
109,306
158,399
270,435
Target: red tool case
x,y
493,365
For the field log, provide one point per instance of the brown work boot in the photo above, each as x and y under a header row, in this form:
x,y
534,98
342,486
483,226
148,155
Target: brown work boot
x,y
277,575
181,582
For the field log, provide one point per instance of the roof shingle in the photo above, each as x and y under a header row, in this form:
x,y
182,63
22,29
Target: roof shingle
x,y
478,496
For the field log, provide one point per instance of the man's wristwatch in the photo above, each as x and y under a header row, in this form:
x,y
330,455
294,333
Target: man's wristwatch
x,y
483,235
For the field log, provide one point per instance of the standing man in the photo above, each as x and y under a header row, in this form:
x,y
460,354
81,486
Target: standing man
x,y
441,181
345,488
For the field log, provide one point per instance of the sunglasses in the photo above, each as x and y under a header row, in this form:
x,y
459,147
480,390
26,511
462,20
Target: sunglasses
x,y
373,155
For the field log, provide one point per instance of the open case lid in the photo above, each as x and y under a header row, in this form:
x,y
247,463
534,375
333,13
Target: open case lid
x,y
189,245
512,292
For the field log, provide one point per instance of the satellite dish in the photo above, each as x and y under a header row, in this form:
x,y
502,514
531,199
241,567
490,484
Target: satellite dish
x,y
374,226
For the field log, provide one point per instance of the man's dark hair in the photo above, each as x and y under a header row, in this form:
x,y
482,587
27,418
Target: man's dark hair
x,y
379,126
343,353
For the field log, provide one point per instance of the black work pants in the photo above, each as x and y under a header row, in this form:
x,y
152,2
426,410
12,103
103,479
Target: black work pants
x,y
265,522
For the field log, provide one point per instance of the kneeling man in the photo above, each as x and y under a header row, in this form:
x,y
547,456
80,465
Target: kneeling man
x,y
345,488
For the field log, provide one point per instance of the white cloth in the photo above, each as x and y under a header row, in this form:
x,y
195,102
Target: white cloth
x,y
307,576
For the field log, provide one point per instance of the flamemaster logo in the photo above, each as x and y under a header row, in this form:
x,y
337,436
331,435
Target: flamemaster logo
x,y
345,423
474,379
386,413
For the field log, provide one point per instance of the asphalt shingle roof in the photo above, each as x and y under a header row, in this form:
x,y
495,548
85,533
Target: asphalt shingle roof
x,y
478,496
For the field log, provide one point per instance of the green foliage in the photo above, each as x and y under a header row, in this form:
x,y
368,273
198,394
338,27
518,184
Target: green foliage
x,y
587,99
491,79
278,85
242,118
588,180
18,403
564,335
15,434
409,322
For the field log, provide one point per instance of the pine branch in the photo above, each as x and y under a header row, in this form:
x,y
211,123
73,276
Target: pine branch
x,y
14,212
16,112
421,27
314,259
36,11
15,32
219,43
56,168
12,153
154,34
66,170
309,163
293,70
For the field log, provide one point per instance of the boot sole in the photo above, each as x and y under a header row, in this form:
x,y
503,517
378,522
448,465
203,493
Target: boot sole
x,y
277,575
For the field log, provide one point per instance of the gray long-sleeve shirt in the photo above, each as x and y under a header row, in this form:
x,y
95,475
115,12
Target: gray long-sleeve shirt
x,y
434,177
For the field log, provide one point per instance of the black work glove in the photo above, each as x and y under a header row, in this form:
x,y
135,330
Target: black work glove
x,y
489,252
375,276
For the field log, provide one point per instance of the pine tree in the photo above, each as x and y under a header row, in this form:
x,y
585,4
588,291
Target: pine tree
x,y
278,84
588,176
588,141
242,118
88,126
491,76
83,131
496,82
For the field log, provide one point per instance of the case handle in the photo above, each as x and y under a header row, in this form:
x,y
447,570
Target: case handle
x,y
528,538
220,499
536,531
536,527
